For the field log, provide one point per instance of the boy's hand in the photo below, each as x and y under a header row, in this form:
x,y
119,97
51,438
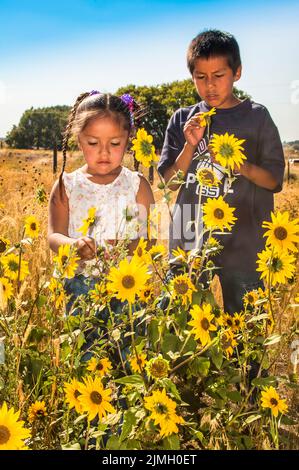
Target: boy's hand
x,y
86,248
193,132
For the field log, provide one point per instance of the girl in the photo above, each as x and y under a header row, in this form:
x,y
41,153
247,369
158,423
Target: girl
x,y
102,125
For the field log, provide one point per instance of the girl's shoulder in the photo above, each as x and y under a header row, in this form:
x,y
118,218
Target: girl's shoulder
x,y
132,178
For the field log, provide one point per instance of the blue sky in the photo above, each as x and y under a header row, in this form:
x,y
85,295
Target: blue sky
x,y
50,51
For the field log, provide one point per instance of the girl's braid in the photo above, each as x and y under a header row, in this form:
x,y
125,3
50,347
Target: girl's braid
x,y
67,134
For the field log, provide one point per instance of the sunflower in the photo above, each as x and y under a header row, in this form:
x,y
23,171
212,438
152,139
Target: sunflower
x,y
72,392
158,367
89,221
140,253
143,148
163,412
128,279
282,232
182,287
100,367
95,400
4,244
6,288
207,177
137,365
218,214
180,254
228,343
11,267
279,266
147,294
67,261
250,298
201,322
31,226
227,150
212,246
270,399
37,411
238,321
157,252
226,320
204,119
12,431
58,294
100,294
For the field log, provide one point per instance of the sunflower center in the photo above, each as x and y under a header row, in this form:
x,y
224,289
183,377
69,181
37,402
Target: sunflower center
x,y
205,324
181,287
63,260
40,413
273,402
77,394
161,408
146,148
2,246
4,287
96,397
128,281
226,150
139,252
237,322
99,366
218,213
33,226
277,264
146,293
250,299
208,176
159,369
13,266
280,233
4,434
229,322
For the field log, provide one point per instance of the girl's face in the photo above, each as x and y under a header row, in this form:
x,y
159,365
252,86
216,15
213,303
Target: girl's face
x,y
103,142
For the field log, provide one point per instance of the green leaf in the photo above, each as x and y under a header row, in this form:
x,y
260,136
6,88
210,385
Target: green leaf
x,y
171,442
80,340
41,301
153,332
199,366
75,446
272,340
113,443
169,343
128,424
251,419
235,396
216,356
169,385
264,381
131,380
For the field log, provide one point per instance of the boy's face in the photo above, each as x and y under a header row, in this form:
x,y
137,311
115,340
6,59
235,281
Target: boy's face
x,y
214,80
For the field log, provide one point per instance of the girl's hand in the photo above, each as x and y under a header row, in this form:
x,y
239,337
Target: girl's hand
x,y
193,132
86,248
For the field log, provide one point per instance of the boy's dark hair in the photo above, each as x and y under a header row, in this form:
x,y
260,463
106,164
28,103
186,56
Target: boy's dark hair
x,y
214,43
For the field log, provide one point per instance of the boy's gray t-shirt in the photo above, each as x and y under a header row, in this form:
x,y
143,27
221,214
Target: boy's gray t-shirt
x,y
262,147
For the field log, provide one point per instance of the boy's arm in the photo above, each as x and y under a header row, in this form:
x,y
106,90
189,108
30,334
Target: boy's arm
x,y
269,171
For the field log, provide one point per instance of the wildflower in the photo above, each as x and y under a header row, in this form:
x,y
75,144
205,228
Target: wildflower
x,y
140,253
6,288
180,254
128,280
137,364
250,298
31,227
143,148
228,343
227,150
158,367
204,119
270,399
95,400
238,321
89,221
282,232
163,412
207,177
212,246
11,267
100,294
67,261
100,367
58,295
72,393
157,252
12,431
182,287
37,411
218,214
147,294
4,244
202,322
276,267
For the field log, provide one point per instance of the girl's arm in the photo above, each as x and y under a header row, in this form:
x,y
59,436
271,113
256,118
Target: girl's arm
x,y
258,175
145,200
58,226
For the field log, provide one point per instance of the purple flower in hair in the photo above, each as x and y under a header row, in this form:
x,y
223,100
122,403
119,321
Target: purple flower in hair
x,y
129,101
94,92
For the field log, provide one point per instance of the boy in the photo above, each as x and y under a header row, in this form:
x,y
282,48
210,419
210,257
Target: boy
x,y
215,65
